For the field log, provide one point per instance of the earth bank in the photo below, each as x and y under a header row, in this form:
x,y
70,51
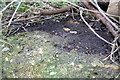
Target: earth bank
x,y
58,49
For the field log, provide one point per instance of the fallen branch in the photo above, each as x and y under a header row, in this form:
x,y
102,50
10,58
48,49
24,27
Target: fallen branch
x,y
115,46
90,10
45,12
103,14
99,16
19,20
51,12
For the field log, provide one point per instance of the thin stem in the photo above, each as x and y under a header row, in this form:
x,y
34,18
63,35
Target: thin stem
x,y
81,12
102,12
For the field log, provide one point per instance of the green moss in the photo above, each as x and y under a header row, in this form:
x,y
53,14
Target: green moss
x,y
33,56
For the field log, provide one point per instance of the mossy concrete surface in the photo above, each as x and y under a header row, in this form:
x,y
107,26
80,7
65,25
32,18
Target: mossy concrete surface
x,y
33,55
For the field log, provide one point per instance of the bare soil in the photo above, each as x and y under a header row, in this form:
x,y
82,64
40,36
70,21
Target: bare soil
x,y
82,39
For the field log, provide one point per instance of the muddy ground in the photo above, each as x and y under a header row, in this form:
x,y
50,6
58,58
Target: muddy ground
x,y
58,49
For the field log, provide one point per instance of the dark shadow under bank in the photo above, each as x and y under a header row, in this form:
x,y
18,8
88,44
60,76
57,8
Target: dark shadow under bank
x,y
84,40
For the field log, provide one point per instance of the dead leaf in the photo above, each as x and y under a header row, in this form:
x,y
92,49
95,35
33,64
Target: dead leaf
x,y
36,11
77,46
111,66
115,67
74,22
107,66
66,29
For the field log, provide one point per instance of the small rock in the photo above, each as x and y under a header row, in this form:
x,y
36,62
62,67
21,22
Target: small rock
x,y
86,31
53,31
2,46
52,73
38,36
80,66
6,58
11,61
56,33
28,53
48,60
5,49
72,63
32,62
40,51
96,63
67,15
73,32
57,56
93,77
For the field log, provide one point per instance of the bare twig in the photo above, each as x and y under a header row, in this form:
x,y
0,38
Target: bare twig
x,y
73,14
116,21
117,76
46,18
45,12
104,21
93,11
15,30
81,12
114,50
114,44
18,20
14,14
1,12
8,6
103,14
3,41
26,10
